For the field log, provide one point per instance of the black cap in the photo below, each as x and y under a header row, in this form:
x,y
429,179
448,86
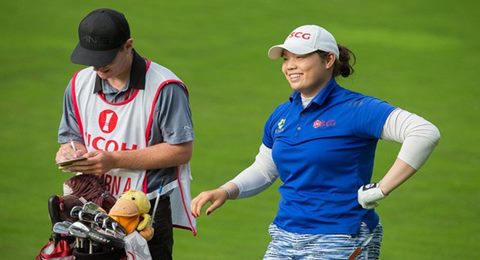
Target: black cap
x,y
101,34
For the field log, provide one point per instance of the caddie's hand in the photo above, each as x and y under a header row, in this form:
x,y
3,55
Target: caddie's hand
x,y
217,197
97,163
369,195
66,152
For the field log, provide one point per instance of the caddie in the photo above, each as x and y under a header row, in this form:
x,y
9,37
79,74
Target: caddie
x,y
130,117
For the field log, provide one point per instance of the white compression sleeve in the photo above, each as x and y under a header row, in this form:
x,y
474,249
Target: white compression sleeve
x,y
417,135
258,176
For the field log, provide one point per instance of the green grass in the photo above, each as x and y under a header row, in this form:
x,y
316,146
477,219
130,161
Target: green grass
x,y
419,55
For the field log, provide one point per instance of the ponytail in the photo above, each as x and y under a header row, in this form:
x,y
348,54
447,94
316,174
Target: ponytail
x,y
342,65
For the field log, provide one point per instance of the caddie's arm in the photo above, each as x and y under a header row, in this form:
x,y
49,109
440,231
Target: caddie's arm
x,y
418,137
158,156
68,131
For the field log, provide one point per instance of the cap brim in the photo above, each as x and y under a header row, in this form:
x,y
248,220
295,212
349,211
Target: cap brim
x,y
88,57
276,51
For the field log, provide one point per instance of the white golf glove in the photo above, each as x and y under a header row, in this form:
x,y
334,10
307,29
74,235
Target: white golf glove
x,y
369,195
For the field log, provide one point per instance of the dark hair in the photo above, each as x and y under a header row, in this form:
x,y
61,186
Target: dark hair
x,y
342,65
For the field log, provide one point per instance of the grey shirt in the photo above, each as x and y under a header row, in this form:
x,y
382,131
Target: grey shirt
x,y
172,123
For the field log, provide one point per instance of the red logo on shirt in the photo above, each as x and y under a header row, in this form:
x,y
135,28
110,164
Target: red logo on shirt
x,y
321,123
107,121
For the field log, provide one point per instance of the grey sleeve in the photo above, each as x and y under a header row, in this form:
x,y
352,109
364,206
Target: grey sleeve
x,y
68,129
173,118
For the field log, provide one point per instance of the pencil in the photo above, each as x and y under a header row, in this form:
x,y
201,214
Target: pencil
x,y
73,145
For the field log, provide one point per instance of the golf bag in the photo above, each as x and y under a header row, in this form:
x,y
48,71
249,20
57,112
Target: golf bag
x,y
82,231
56,250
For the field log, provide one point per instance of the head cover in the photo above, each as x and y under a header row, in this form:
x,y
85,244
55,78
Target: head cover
x,y
306,39
101,35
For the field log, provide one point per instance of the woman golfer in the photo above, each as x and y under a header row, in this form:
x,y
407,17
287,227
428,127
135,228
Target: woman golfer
x,y
321,143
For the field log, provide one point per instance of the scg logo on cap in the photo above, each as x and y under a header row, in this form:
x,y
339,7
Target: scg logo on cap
x,y
300,35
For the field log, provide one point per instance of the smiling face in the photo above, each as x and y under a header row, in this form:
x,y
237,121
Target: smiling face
x,y
307,73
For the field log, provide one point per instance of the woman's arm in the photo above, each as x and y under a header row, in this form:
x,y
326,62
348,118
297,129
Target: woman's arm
x,y
253,180
418,137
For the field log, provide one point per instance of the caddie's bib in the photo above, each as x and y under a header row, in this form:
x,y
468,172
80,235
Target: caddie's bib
x,y
108,126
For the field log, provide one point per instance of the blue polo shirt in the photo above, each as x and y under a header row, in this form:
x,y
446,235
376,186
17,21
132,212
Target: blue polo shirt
x,y
323,154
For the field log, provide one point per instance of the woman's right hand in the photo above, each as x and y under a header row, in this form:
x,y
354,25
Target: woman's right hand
x,y
217,197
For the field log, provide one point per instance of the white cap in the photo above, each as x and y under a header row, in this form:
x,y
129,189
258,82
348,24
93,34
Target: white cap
x,y
306,39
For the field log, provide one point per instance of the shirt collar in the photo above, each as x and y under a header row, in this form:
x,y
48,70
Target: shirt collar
x,y
137,74
321,97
